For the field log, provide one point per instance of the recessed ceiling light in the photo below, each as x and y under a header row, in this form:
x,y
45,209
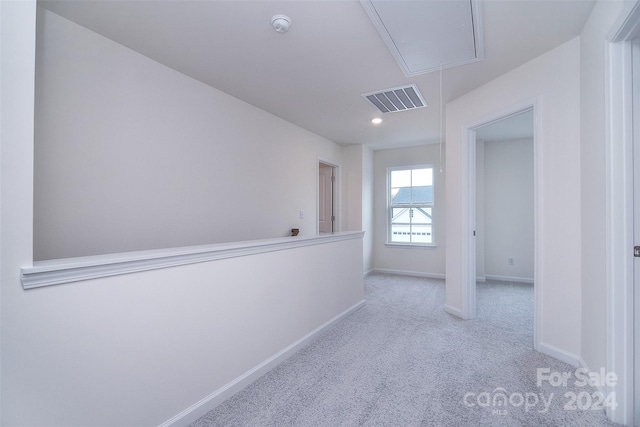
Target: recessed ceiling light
x,y
376,121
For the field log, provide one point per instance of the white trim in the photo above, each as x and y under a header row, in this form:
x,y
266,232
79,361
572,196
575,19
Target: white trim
x,y
598,385
368,272
619,212
452,310
469,246
410,273
411,245
628,25
510,279
56,272
199,409
483,279
556,353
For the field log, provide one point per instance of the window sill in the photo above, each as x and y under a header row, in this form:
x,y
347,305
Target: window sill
x,y
412,245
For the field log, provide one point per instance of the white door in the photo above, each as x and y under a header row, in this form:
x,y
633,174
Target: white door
x,y
325,199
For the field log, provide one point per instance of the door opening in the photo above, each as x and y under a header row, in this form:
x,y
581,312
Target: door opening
x,y
504,206
326,198
522,117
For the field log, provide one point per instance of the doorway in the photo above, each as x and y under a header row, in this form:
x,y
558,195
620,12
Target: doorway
x,y
505,215
326,198
504,199
519,120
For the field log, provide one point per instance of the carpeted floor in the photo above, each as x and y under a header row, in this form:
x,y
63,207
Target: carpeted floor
x,y
402,361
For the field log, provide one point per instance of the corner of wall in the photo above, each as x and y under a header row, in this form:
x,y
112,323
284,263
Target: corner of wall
x,y
17,68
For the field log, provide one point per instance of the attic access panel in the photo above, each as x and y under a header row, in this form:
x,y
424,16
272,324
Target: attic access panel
x,y
423,35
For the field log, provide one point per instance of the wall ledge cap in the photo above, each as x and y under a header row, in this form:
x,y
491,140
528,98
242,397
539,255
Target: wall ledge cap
x,y
68,270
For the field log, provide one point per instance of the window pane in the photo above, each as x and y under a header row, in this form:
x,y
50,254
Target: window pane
x,y
401,178
401,195
401,233
411,225
401,225
401,216
421,195
421,234
421,216
422,177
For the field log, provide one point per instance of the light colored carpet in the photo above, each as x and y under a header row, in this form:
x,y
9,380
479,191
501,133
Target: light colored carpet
x,y
402,361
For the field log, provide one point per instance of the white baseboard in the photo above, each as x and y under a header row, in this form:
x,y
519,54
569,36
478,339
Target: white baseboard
x,y
199,409
453,310
368,272
556,353
410,273
598,386
481,279
509,279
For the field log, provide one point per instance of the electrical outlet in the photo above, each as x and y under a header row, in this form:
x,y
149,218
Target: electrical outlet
x,y
301,214
510,260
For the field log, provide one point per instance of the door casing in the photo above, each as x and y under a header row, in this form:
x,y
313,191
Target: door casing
x,y
619,214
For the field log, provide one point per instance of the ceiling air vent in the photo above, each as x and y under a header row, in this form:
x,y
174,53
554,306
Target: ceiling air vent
x,y
396,99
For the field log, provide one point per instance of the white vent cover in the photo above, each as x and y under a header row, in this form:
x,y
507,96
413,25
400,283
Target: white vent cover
x,y
396,99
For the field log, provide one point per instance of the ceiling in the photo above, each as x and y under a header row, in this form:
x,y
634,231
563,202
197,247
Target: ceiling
x,y
314,75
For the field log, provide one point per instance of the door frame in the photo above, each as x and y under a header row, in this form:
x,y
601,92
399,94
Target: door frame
x,y
469,299
619,213
336,194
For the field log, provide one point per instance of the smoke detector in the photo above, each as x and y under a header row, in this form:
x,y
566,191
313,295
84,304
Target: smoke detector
x,y
281,23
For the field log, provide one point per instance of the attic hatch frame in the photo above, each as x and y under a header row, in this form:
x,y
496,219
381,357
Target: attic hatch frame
x,y
408,70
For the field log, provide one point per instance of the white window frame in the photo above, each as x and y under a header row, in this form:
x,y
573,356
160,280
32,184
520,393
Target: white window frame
x,y
431,205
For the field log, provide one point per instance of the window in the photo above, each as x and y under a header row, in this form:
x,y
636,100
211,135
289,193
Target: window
x,y
410,205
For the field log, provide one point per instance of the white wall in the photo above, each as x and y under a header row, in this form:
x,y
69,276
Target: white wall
x,y
553,80
593,178
352,187
507,168
17,26
368,215
358,195
427,261
132,155
138,349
